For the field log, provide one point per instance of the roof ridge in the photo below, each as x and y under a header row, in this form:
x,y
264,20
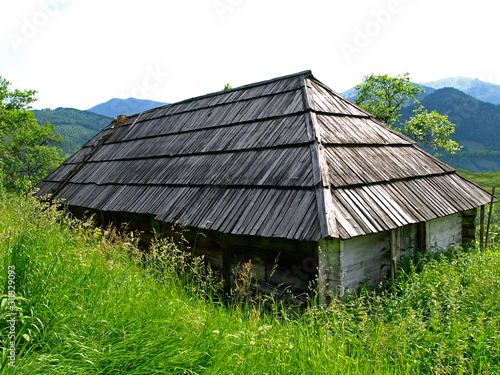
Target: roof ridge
x,y
368,114
341,97
305,73
328,225
247,86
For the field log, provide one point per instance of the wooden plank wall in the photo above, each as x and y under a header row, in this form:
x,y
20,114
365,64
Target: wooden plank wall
x,y
365,259
281,262
445,231
277,261
469,226
330,280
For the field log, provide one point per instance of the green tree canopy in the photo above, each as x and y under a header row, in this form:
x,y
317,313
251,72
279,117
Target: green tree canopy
x,y
384,96
27,150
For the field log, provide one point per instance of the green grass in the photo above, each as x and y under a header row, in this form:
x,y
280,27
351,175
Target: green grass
x,y
484,179
88,306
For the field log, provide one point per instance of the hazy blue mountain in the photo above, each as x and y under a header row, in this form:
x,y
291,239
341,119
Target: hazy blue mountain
x,y
485,91
352,93
75,126
114,107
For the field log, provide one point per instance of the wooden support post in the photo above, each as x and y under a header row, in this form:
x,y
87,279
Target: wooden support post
x,y
421,237
394,252
227,260
481,228
469,224
489,216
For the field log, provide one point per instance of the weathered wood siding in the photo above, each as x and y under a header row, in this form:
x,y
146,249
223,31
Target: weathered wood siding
x,y
330,269
277,261
469,225
283,262
365,259
407,239
444,232
345,265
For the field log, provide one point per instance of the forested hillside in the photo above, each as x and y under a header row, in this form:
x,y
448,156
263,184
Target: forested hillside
x,y
75,126
477,128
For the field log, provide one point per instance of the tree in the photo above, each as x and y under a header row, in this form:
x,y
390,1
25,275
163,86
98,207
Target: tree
x,y
384,96
27,150
431,129
227,86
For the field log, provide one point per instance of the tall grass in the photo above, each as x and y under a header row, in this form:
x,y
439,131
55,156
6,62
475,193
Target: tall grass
x,y
90,304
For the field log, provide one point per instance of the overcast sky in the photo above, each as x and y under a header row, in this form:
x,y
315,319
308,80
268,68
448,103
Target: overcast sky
x,y
78,53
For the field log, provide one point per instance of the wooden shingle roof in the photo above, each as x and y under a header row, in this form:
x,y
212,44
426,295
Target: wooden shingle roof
x,y
286,158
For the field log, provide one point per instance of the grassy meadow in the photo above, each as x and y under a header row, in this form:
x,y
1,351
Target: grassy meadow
x,y
88,302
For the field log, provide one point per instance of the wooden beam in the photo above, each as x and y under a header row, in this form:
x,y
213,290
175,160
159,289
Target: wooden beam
x,y
481,228
394,252
421,237
227,259
489,215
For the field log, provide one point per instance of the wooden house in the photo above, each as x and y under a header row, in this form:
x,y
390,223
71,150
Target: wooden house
x,y
283,172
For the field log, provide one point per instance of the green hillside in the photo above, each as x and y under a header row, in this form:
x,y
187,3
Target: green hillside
x,y
75,126
484,179
477,128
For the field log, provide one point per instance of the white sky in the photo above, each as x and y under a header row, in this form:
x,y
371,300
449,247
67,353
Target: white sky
x,y
79,53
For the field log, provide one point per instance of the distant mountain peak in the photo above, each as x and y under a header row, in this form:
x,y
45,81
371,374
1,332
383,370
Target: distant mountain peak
x,y
457,80
352,93
129,106
485,91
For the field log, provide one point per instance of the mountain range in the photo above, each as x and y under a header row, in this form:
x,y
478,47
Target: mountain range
x,y
352,93
130,106
485,91
477,128
473,106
